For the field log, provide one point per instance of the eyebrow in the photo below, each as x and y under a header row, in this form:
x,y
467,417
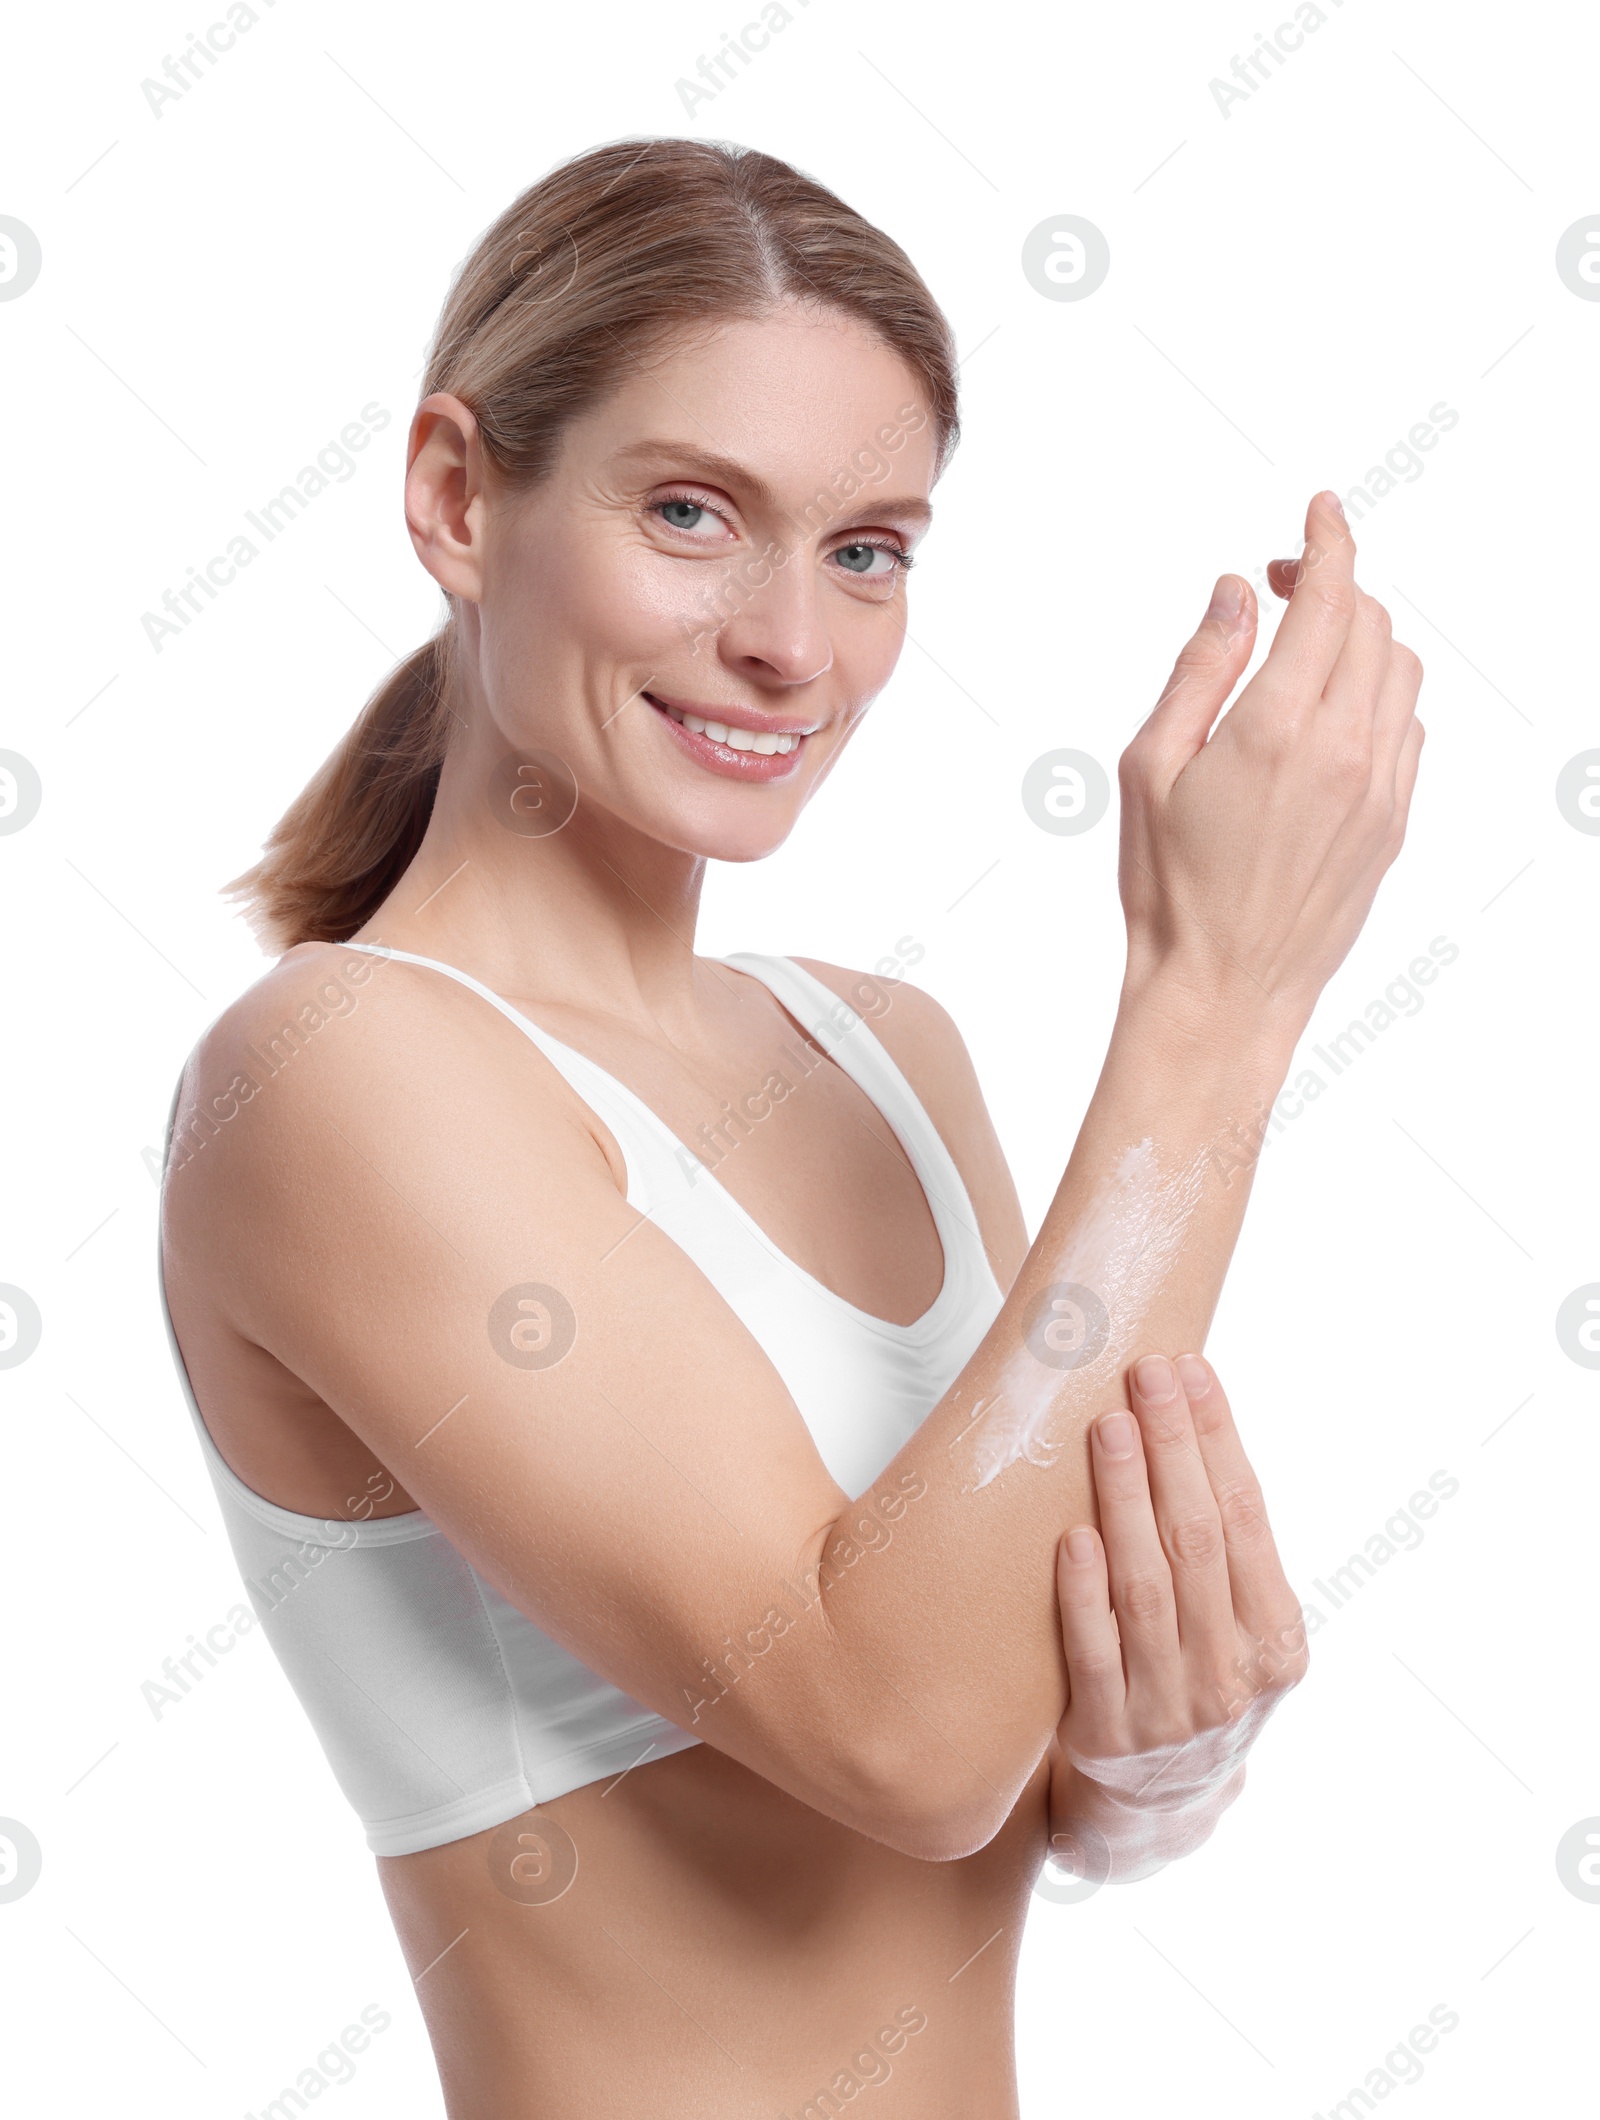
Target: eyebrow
x,y
728,471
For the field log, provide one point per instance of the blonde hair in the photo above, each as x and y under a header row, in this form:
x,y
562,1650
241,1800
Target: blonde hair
x,y
590,269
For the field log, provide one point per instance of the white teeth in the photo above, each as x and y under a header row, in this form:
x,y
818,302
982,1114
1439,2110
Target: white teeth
x,y
765,742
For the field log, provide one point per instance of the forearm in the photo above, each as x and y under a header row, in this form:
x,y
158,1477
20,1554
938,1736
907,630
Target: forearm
x,y
950,1640
1143,1223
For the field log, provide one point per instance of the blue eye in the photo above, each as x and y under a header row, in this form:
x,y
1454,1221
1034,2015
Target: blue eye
x,y
682,515
858,559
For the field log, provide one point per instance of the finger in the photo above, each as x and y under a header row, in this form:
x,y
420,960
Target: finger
x,y
1265,1606
1210,665
1405,771
1187,1518
1097,1692
1396,705
1282,574
1141,1582
1311,633
1355,686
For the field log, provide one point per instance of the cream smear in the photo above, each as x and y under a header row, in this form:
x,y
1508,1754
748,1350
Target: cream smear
x,y
1084,1322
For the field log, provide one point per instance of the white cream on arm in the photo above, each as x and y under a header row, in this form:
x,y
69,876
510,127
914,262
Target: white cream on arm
x,y
1086,1321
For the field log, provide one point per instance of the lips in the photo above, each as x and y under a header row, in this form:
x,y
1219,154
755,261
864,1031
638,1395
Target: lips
x,y
733,741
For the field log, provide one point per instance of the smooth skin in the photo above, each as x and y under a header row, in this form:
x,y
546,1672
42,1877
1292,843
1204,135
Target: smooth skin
x,y
847,1857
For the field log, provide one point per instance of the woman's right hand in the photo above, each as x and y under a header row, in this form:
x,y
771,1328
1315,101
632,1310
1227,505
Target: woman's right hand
x,y
1249,861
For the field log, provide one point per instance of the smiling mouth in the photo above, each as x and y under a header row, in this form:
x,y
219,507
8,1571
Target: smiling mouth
x,y
765,743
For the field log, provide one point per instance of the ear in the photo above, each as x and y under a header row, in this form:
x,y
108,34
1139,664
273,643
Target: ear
x,y
445,501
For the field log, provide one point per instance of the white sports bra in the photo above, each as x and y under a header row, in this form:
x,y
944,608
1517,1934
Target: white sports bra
x,y
443,1709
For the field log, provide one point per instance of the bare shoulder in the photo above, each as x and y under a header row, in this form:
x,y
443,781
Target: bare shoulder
x,y
331,1020
923,1040
337,1055
294,1045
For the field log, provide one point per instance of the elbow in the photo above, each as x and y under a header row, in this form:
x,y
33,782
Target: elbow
x,y
931,1809
949,1834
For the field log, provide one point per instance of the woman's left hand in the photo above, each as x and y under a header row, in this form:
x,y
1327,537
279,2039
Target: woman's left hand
x,y
1180,1629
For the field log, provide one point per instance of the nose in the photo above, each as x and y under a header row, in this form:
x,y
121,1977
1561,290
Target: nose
x,y
777,635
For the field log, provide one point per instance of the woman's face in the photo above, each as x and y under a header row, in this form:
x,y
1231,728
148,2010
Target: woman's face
x,y
723,538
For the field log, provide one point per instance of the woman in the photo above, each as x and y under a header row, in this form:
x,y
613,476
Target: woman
x,y
665,1469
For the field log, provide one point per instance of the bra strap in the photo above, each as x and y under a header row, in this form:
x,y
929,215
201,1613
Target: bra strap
x,y
845,1034
542,1039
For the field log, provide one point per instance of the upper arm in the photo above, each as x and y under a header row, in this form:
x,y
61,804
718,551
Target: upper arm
x,y
921,1038
366,1216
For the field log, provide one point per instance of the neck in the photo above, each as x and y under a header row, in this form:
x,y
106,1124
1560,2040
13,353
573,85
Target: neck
x,y
593,914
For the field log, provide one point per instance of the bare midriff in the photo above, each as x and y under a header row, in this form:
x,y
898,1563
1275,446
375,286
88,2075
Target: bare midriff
x,y
719,1950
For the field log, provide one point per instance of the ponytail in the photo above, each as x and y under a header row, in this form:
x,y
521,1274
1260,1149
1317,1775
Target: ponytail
x,y
348,837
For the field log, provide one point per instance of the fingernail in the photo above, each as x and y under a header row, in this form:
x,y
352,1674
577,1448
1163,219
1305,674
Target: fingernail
x,y
1330,499
1116,1434
1194,1376
1227,600
1080,1546
1153,1375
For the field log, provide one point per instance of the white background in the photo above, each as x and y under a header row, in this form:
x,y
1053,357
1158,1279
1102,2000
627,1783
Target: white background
x,y
1293,285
